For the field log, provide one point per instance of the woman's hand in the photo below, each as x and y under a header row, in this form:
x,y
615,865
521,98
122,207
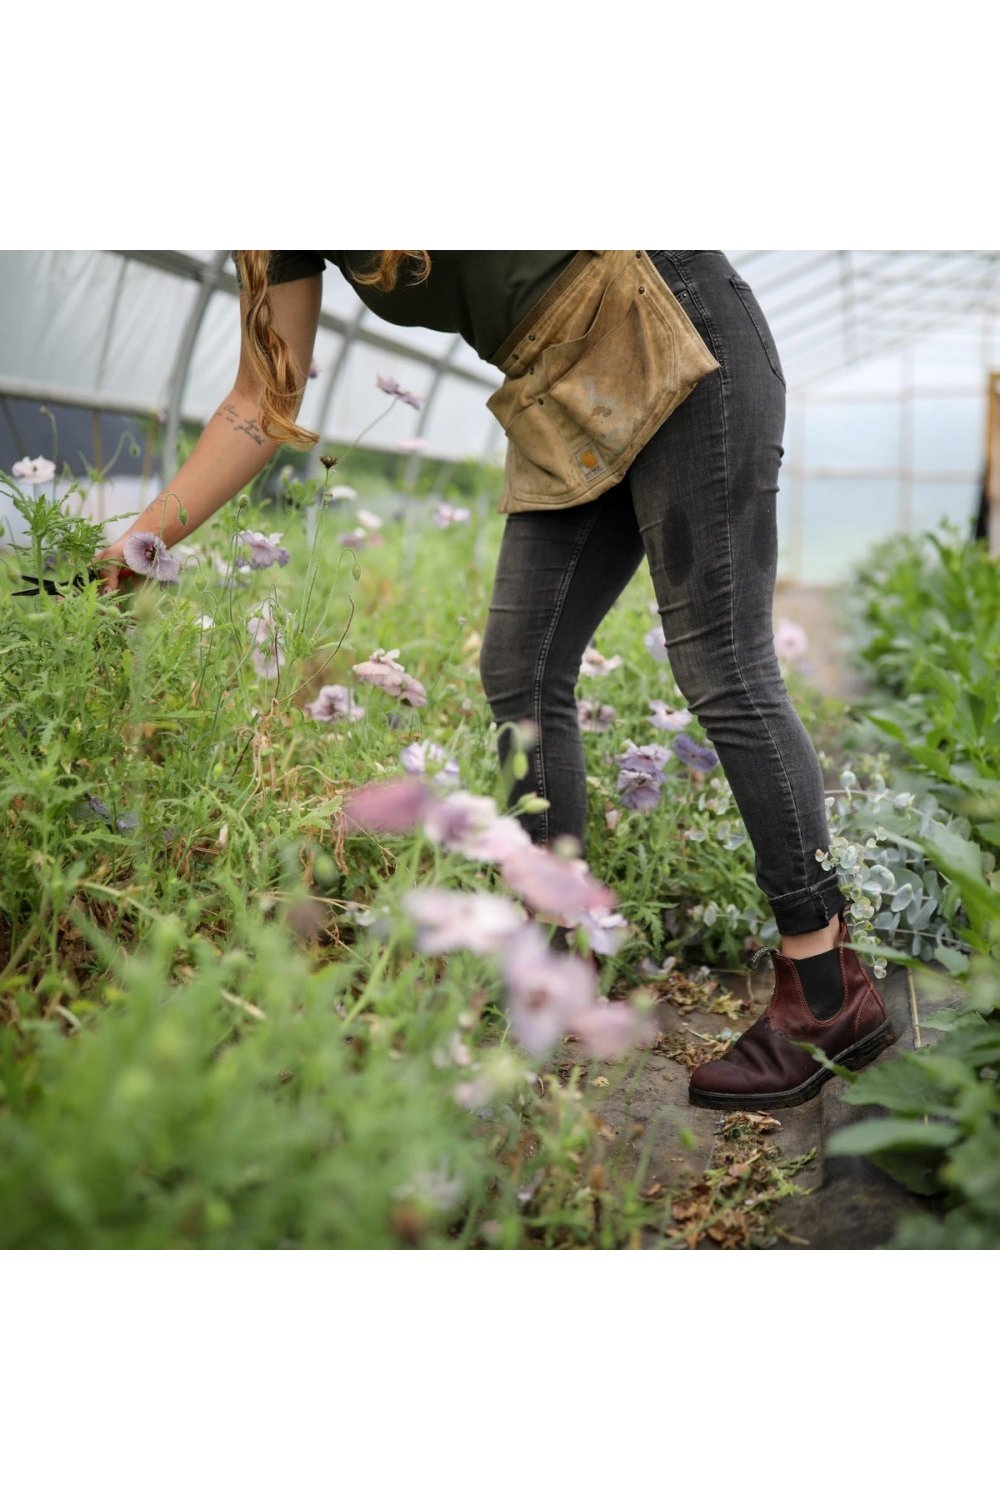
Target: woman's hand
x,y
111,562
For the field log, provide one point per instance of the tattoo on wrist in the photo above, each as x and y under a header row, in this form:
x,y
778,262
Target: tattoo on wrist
x,y
241,423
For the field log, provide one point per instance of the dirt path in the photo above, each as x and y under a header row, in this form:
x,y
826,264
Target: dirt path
x,y
732,1179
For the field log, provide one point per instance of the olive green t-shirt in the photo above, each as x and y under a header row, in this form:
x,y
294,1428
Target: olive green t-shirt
x,y
481,294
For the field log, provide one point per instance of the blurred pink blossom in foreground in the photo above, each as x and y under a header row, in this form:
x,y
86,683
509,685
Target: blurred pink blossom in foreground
x,y
387,806
449,920
611,1029
562,889
546,991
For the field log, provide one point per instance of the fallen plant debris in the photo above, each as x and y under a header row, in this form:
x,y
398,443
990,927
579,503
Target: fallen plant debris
x,y
732,1206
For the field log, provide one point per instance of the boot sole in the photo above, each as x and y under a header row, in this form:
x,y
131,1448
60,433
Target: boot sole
x,y
858,1056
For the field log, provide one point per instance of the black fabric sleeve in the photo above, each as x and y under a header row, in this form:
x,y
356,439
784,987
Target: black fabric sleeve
x,y
288,265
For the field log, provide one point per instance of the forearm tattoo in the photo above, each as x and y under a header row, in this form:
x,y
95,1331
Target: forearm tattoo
x,y
241,423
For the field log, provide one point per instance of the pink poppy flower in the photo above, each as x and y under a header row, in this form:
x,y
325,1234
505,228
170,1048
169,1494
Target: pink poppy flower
x,y
449,515
393,388
35,470
790,641
595,717
359,538
382,670
417,759
663,717
264,550
656,643
473,921
596,665
145,553
268,663
605,930
333,702
386,806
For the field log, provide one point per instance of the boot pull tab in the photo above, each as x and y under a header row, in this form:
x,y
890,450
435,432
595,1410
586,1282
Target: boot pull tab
x,y
753,962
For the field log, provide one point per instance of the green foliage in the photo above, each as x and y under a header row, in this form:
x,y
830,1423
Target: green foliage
x,y
935,642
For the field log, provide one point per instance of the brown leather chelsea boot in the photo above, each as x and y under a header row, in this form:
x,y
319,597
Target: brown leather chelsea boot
x,y
765,1069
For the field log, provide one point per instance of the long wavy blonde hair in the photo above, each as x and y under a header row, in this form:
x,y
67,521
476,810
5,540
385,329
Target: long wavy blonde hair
x,y
269,354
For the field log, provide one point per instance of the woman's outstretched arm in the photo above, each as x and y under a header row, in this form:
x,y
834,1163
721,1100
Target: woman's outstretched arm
x,y
232,449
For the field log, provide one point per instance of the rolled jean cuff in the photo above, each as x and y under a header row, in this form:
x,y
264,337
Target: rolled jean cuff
x,y
808,910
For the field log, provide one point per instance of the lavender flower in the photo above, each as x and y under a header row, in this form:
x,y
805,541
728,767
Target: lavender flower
x,y
648,759
595,717
145,553
264,550
656,643
450,920
663,717
384,671
640,790
700,757
332,703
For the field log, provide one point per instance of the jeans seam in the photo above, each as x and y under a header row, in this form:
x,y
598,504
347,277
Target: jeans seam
x,y
543,657
732,637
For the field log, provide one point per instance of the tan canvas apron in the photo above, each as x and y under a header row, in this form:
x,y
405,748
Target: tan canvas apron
x,y
601,360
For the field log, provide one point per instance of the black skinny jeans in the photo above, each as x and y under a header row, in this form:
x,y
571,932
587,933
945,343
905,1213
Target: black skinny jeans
x,y
699,503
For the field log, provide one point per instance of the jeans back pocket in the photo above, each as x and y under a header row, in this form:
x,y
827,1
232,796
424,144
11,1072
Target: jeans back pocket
x,y
745,293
